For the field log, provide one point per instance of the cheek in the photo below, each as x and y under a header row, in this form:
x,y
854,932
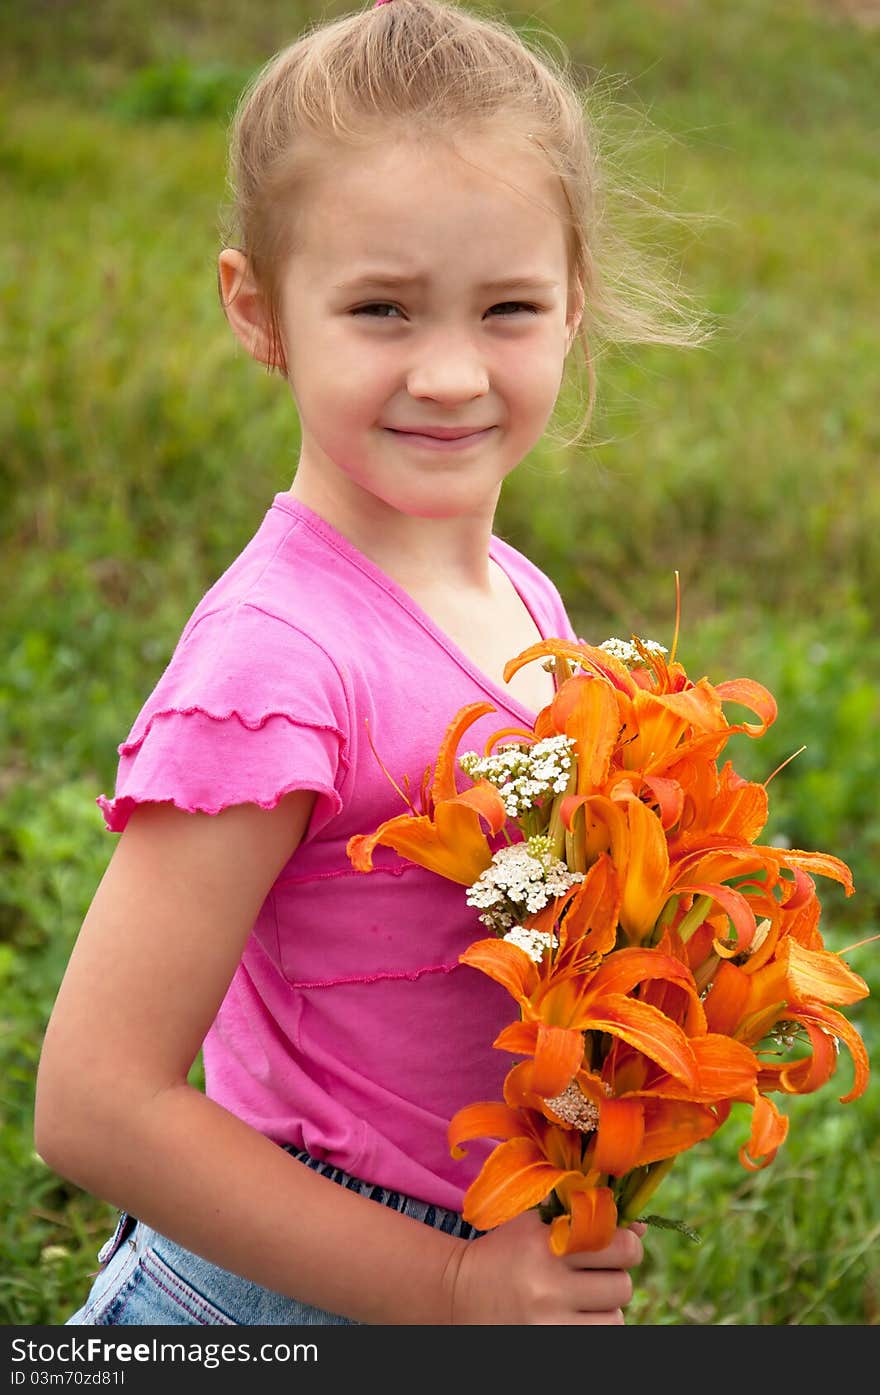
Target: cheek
x,y
535,359
538,380
331,379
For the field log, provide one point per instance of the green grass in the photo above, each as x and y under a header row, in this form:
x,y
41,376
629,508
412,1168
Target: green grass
x,y
140,447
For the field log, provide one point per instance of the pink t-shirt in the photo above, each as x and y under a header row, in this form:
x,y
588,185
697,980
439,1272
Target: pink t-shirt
x,y
349,1028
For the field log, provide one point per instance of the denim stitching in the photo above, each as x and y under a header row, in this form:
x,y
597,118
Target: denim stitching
x,y
167,1273
124,1229
114,1310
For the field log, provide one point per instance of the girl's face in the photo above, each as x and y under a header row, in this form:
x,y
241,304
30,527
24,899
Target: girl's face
x,y
426,317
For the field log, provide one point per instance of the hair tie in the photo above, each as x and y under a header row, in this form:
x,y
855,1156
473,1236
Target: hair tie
x,y
381,2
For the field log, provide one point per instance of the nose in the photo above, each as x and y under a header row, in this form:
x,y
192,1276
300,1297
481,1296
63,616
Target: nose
x,y
447,368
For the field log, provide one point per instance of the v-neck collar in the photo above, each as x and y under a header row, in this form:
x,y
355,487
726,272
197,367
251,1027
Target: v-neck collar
x,y
341,544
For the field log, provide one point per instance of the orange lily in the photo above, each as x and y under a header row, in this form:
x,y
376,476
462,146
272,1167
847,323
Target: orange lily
x,y
449,838
639,849
798,985
652,870
644,1112
535,1159
656,721
585,989
684,946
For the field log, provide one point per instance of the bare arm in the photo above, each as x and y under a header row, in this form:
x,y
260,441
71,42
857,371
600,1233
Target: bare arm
x,y
115,1114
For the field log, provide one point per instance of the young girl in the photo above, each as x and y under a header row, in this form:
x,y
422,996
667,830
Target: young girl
x,y
415,196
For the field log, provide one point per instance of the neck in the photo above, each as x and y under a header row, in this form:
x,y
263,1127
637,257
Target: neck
x,y
420,554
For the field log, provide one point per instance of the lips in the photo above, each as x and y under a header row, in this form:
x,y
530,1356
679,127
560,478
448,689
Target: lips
x,y
440,433
447,440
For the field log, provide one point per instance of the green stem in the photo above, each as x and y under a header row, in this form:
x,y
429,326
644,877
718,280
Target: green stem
x,y
556,830
575,843
640,1186
706,972
550,1208
666,916
695,917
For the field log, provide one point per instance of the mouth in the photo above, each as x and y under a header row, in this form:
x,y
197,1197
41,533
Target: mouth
x,y
443,437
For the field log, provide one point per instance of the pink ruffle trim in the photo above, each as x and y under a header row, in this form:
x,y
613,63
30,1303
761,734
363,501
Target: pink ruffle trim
x,y
202,763
140,733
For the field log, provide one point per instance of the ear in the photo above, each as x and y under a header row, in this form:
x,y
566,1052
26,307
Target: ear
x,y
244,305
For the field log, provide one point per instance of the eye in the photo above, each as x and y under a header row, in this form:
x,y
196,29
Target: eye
x,y
513,307
377,310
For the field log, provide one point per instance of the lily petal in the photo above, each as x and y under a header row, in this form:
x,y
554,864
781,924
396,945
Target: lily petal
x,y
586,710
769,1131
515,1176
590,1224
444,786
834,1025
673,1126
649,1031
490,1119
453,844
755,697
507,964
819,975
727,1068
559,1053
727,1000
619,1135
590,922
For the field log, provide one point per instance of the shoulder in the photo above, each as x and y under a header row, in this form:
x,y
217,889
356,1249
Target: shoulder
x,y
278,581
239,658
250,652
257,642
299,572
247,711
253,702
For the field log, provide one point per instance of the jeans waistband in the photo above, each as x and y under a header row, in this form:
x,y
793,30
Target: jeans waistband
x,y
436,1216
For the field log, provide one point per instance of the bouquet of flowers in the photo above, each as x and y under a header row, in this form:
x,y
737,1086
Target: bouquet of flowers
x,y
663,964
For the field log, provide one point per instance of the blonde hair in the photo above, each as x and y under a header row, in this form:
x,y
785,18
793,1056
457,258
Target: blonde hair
x,y
427,67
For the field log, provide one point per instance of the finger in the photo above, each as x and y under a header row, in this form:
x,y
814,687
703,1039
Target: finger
x,y
614,1318
624,1251
599,1290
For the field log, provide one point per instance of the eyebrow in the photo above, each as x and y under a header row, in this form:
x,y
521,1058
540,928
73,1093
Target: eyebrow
x,y
392,280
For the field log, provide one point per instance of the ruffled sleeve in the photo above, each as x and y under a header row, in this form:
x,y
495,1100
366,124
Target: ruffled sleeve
x,y
248,709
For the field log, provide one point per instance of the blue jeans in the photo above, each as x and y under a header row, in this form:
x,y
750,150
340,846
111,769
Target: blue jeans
x,y
147,1279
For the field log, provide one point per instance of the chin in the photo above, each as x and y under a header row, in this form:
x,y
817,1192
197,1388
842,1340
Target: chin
x,y
446,508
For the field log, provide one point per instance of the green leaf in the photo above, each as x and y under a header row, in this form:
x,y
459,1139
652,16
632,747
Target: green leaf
x,y
666,1223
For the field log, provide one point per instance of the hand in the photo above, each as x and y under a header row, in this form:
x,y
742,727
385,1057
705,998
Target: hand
x,y
511,1277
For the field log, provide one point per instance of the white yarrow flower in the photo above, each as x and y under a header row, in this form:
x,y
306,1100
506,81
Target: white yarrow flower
x,y
628,653
534,943
521,881
524,775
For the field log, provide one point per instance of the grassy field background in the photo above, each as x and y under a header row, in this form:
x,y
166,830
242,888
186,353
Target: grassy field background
x,y
140,449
